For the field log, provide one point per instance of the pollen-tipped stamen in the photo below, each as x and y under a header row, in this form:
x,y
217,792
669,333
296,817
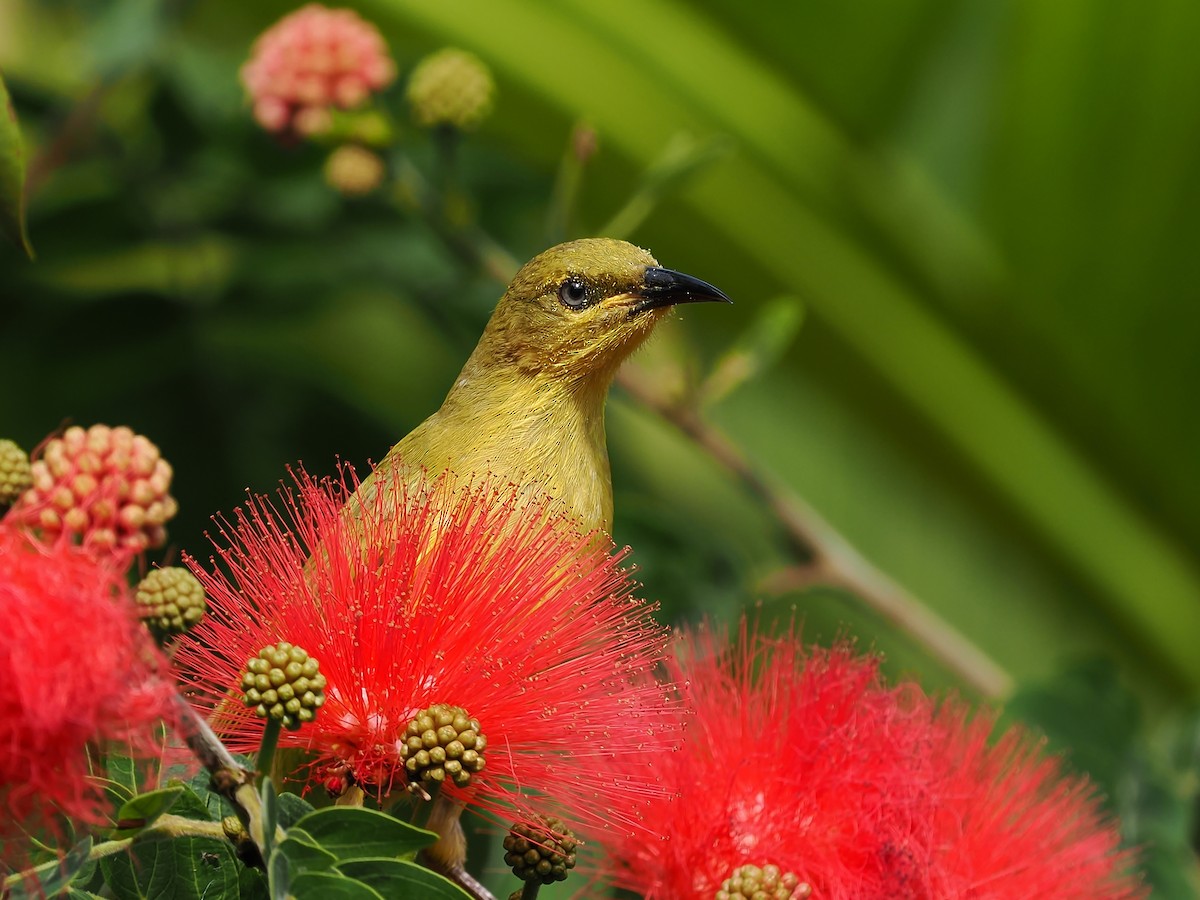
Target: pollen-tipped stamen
x,y
767,882
443,743
542,851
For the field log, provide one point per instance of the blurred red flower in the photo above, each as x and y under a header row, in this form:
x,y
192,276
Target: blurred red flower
x,y
805,761
78,671
311,60
442,595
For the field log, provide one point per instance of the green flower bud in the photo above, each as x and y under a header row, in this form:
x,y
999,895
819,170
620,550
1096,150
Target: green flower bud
x,y
170,601
543,851
450,87
283,682
16,476
765,883
443,743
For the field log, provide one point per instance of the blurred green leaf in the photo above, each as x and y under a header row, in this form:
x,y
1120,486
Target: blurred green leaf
x,y
49,878
760,346
12,175
1091,717
681,159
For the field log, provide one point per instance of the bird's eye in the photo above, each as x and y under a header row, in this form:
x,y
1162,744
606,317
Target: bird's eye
x,y
572,293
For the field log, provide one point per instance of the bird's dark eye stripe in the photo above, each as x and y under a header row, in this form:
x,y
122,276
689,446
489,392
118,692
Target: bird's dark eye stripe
x,y
573,293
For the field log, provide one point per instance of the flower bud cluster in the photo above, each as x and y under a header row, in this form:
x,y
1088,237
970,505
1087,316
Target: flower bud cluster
x,y
542,852
15,473
353,170
443,743
311,61
765,883
283,683
170,600
450,87
107,486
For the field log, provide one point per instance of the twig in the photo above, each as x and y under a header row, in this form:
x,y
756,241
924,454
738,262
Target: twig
x,y
229,779
828,559
468,883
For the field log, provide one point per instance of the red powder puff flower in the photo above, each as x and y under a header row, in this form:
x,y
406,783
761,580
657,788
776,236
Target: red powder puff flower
x,y
106,487
311,60
78,671
438,601
1009,823
802,775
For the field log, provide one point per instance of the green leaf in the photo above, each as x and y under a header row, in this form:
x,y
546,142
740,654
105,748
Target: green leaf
x,y
682,158
329,886
401,878
143,809
218,807
185,868
304,854
358,833
252,884
12,175
49,878
192,805
295,855
292,808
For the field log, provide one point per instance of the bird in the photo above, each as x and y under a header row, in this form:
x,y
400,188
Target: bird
x,y
528,406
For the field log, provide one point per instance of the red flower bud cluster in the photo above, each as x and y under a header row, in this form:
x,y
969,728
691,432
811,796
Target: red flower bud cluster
x,y
108,487
312,60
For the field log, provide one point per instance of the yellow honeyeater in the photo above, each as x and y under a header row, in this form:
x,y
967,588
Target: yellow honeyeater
x,y
528,406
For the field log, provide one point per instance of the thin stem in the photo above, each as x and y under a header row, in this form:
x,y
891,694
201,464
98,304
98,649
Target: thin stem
x,y
270,740
469,243
530,890
827,557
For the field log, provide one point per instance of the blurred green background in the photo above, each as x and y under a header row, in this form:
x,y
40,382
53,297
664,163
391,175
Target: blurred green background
x,y
983,216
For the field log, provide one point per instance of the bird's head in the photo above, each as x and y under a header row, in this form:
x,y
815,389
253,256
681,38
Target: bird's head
x,y
577,310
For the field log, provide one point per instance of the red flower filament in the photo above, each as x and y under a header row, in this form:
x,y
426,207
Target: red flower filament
x,y
78,672
441,596
805,761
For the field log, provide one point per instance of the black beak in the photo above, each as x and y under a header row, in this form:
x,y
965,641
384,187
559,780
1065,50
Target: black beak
x,y
666,287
